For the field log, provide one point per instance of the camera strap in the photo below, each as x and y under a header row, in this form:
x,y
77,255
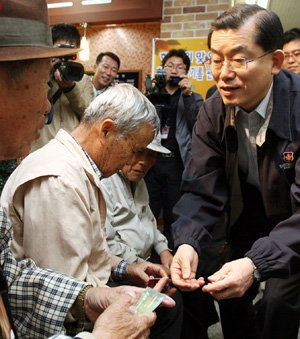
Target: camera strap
x,y
53,100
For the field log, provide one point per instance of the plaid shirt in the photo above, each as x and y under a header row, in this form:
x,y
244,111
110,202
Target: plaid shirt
x,y
118,274
40,299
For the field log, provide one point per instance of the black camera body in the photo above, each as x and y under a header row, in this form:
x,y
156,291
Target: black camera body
x,y
158,97
154,89
174,80
72,71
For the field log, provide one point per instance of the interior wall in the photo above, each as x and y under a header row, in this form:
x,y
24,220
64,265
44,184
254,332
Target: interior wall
x,y
132,43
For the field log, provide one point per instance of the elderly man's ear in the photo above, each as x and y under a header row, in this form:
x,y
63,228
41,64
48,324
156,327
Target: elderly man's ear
x,y
106,128
278,58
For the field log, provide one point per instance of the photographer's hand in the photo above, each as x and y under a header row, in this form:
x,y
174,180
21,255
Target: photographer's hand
x,y
62,82
185,85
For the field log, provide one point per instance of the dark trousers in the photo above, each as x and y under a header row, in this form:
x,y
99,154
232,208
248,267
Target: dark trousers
x,y
278,313
163,183
199,314
169,321
198,310
275,316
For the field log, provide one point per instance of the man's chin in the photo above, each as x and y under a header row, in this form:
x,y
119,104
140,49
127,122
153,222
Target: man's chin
x,y
231,101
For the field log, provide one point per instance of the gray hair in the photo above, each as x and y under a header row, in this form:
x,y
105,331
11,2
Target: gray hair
x,y
126,106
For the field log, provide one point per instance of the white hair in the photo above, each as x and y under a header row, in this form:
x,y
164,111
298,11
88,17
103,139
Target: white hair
x,y
126,106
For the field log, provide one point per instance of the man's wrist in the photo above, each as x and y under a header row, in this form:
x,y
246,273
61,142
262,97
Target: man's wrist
x,y
77,309
188,94
119,273
255,273
68,89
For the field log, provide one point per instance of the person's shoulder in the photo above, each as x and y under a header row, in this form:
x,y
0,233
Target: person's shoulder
x,y
108,182
198,96
213,101
109,185
51,160
288,80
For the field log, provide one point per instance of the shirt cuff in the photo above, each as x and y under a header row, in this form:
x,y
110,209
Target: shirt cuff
x,y
119,273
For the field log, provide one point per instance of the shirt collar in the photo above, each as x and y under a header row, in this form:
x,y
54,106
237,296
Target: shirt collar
x,y
98,92
261,109
95,167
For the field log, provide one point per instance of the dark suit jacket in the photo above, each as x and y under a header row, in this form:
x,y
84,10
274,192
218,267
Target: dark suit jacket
x,y
187,112
208,181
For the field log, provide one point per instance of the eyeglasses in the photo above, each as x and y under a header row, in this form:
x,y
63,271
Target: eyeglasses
x,y
294,54
179,67
235,64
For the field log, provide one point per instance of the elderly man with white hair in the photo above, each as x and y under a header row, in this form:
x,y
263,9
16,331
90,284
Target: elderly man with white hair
x,y
35,302
54,198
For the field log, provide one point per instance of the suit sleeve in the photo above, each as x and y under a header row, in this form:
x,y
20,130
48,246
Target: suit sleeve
x,y
192,105
278,255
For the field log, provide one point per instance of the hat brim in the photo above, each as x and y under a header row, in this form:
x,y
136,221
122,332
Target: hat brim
x,y
34,52
157,148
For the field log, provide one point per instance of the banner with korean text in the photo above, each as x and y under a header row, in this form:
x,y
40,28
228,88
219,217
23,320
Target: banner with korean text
x,y
197,50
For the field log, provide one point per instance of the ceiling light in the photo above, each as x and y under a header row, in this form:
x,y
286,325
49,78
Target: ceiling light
x,y
84,44
60,4
95,2
261,3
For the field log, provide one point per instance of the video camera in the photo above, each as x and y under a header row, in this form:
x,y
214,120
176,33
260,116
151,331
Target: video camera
x,y
70,70
155,87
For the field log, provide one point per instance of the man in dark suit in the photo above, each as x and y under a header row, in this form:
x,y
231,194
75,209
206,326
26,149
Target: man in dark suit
x,y
245,164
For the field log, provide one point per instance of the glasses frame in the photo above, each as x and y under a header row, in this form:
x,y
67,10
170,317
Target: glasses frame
x,y
174,66
245,62
287,55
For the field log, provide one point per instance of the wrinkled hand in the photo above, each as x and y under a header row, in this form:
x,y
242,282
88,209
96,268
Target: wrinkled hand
x,y
139,274
166,269
121,320
166,258
98,299
184,268
232,280
185,85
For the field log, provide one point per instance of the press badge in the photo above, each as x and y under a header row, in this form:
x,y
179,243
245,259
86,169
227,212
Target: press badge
x,y
165,132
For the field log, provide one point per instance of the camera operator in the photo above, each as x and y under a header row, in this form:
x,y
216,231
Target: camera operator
x,y
177,121
70,98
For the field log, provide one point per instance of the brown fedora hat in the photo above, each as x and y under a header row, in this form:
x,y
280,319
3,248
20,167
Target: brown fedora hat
x,y
25,32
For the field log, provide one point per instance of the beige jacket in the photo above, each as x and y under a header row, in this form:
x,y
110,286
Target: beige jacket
x,y
131,229
68,110
58,212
